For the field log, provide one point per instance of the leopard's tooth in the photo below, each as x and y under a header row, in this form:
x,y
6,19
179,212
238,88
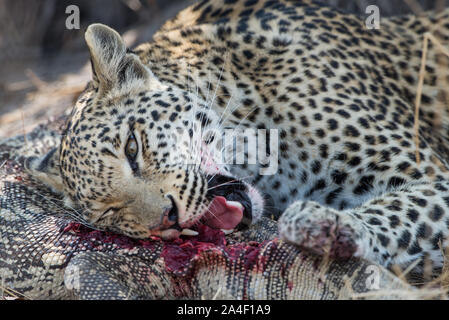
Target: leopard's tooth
x,y
227,231
188,232
235,204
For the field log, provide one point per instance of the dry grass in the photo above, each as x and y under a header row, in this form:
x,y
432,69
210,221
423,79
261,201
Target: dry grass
x,y
427,37
10,294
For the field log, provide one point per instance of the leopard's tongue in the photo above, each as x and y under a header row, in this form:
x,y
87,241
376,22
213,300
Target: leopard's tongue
x,y
223,214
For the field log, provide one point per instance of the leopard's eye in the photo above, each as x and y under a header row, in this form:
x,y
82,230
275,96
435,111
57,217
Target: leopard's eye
x,y
131,148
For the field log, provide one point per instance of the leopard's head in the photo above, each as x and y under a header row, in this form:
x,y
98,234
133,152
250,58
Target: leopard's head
x,y
140,157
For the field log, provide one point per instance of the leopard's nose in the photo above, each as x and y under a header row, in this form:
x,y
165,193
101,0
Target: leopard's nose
x,y
171,214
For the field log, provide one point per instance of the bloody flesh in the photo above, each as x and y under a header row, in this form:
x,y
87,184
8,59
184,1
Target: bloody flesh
x,y
179,254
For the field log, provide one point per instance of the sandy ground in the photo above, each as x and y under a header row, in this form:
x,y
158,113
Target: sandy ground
x,y
37,90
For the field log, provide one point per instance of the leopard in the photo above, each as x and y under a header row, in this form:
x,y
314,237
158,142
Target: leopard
x,y
331,102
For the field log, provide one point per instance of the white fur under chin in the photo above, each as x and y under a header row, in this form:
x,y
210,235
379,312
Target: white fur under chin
x,y
257,203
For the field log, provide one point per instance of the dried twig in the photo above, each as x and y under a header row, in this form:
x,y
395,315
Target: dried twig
x,y
35,80
416,7
419,95
402,274
23,130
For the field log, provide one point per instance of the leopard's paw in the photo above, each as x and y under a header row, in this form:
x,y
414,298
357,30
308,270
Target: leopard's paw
x,y
319,229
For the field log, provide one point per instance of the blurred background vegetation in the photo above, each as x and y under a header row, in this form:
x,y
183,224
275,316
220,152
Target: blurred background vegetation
x,y
44,65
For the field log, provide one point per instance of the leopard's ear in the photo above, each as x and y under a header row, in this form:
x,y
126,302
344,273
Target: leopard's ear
x,y
113,66
46,169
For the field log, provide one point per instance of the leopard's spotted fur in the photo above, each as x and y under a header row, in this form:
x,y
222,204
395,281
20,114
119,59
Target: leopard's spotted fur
x,y
340,95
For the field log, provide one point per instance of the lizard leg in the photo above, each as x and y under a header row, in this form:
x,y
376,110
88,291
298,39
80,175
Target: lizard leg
x,y
394,228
